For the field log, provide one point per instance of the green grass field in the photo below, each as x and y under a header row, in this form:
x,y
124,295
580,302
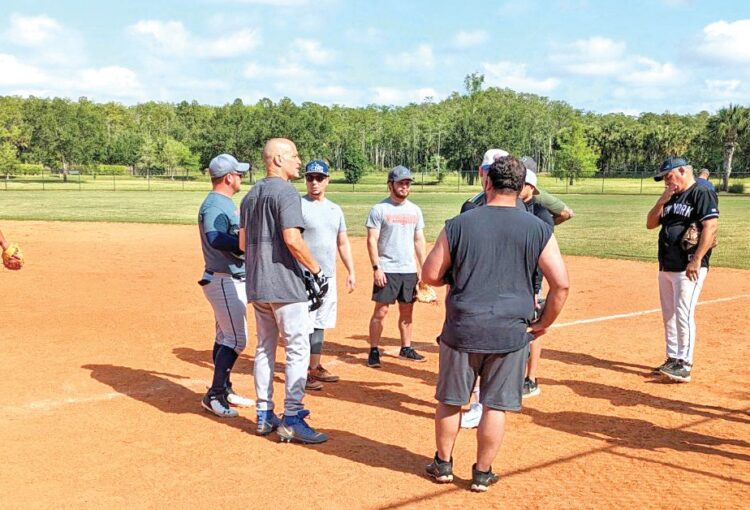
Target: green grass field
x,y
610,226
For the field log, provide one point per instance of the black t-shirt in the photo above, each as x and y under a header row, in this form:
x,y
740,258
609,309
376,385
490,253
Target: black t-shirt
x,y
543,214
697,203
494,252
476,201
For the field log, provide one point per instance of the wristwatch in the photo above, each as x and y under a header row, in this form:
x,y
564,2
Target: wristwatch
x,y
375,267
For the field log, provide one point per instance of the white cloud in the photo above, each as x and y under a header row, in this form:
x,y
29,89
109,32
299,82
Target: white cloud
x,y
13,72
312,51
32,30
513,76
726,89
396,96
647,72
468,39
171,38
110,81
595,56
726,41
420,58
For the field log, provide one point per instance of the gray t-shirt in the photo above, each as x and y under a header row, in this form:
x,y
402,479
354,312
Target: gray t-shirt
x,y
324,220
273,274
397,225
219,214
494,253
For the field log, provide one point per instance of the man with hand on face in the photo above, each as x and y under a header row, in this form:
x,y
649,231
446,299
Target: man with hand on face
x,y
271,227
396,245
681,272
325,233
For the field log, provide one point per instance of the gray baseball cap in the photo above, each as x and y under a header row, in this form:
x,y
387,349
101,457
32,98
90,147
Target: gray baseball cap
x,y
224,164
399,173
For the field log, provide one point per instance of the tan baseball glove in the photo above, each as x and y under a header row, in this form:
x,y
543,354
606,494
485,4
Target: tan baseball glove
x,y
426,294
13,257
692,237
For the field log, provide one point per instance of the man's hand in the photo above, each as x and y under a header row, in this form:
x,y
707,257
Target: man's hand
x,y
536,329
351,282
379,278
669,190
692,269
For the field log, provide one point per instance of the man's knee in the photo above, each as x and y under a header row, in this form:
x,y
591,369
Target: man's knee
x,y
316,341
379,313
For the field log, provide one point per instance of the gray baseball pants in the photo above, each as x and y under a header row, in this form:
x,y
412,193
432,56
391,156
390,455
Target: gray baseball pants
x,y
292,322
229,302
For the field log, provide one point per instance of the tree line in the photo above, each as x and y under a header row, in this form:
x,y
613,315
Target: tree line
x,y
449,135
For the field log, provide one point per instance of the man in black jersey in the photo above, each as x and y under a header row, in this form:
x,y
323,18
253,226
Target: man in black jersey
x,y
681,273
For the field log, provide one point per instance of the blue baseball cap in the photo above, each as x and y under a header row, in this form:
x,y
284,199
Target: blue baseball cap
x,y
399,173
316,166
224,164
668,165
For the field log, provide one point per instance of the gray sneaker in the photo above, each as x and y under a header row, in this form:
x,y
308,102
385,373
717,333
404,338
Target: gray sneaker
x,y
530,388
678,371
440,470
481,480
666,363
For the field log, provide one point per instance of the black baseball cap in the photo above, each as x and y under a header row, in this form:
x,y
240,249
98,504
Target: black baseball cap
x,y
670,164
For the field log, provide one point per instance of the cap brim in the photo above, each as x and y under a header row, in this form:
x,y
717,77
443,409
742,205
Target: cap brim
x,y
660,176
314,172
242,167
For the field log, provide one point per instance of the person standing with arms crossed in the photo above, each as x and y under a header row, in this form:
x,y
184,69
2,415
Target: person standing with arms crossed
x,y
271,227
397,247
681,273
223,280
325,232
488,257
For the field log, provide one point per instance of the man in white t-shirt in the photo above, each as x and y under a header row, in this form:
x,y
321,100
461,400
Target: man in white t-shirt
x,y
325,233
396,245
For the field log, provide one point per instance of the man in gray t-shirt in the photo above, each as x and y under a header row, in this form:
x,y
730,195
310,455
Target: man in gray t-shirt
x,y
271,227
395,234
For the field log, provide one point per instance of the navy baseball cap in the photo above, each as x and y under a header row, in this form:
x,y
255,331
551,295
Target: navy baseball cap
x,y
669,164
224,164
399,173
316,166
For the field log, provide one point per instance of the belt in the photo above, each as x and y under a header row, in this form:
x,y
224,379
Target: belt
x,y
208,276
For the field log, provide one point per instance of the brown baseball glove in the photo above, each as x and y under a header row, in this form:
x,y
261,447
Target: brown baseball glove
x,y
692,237
13,257
426,294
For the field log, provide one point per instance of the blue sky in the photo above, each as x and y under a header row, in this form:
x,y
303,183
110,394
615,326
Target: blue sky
x,y
682,56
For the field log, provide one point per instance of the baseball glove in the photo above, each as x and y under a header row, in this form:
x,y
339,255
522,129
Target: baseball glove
x,y
316,286
13,257
692,237
426,294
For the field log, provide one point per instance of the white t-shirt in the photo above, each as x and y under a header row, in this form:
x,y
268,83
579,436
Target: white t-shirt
x,y
397,225
323,220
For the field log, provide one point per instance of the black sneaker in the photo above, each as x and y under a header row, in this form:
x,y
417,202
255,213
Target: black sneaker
x,y
530,388
410,354
666,363
678,371
481,480
373,360
440,470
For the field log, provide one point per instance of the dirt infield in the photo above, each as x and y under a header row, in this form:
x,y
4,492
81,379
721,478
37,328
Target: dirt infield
x,y
106,341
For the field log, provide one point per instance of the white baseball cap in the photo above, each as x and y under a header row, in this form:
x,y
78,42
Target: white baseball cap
x,y
531,180
491,156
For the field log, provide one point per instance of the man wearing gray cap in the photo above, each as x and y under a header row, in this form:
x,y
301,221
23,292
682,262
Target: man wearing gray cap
x,y
395,234
223,280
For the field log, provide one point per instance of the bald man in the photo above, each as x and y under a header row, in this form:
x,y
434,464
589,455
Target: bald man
x,y
271,227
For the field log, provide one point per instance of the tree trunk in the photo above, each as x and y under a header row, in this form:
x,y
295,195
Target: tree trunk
x,y
727,165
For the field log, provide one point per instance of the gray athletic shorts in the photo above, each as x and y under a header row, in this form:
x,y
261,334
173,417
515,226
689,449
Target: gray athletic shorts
x,y
501,382
398,286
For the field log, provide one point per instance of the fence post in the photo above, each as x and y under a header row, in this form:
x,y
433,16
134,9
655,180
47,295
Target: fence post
x,y
602,182
422,179
79,181
148,178
184,179
42,179
641,191
7,176
566,183
460,174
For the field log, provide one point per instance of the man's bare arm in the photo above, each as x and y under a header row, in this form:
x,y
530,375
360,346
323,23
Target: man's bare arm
x,y
299,249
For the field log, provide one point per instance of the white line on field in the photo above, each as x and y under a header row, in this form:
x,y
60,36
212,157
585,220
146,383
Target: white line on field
x,y
52,404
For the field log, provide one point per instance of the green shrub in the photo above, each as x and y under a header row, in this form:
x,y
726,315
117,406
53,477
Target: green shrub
x,y
29,168
737,188
355,163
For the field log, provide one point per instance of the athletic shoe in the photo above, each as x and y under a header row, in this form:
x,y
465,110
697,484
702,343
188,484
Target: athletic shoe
x,y
678,371
267,423
218,405
666,363
294,428
238,400
373,360
321,374
530,388
439,470
410,354
471,417
481,480
312,383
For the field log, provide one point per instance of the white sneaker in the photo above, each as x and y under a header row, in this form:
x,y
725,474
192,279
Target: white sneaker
x,y
470,418
218,405
239,401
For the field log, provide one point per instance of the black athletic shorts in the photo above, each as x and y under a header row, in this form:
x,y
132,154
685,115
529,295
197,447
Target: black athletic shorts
x,y
399,286
501,382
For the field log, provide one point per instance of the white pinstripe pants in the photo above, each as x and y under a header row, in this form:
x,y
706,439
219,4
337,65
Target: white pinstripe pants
x,y
679,295
229,302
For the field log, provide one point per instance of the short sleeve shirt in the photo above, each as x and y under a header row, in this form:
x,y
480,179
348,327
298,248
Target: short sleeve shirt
x,y
273,274
324,221
397,225
695,204
494,252
218,213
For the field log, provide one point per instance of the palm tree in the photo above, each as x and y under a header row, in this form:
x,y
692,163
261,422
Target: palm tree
x,y
728,125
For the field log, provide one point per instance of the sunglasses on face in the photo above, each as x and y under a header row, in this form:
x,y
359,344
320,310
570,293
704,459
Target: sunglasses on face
x,y
316,177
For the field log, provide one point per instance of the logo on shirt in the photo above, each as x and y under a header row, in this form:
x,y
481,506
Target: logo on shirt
x,y
401,219
679,209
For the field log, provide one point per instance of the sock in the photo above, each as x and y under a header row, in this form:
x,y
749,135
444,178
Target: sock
x,y
223,363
